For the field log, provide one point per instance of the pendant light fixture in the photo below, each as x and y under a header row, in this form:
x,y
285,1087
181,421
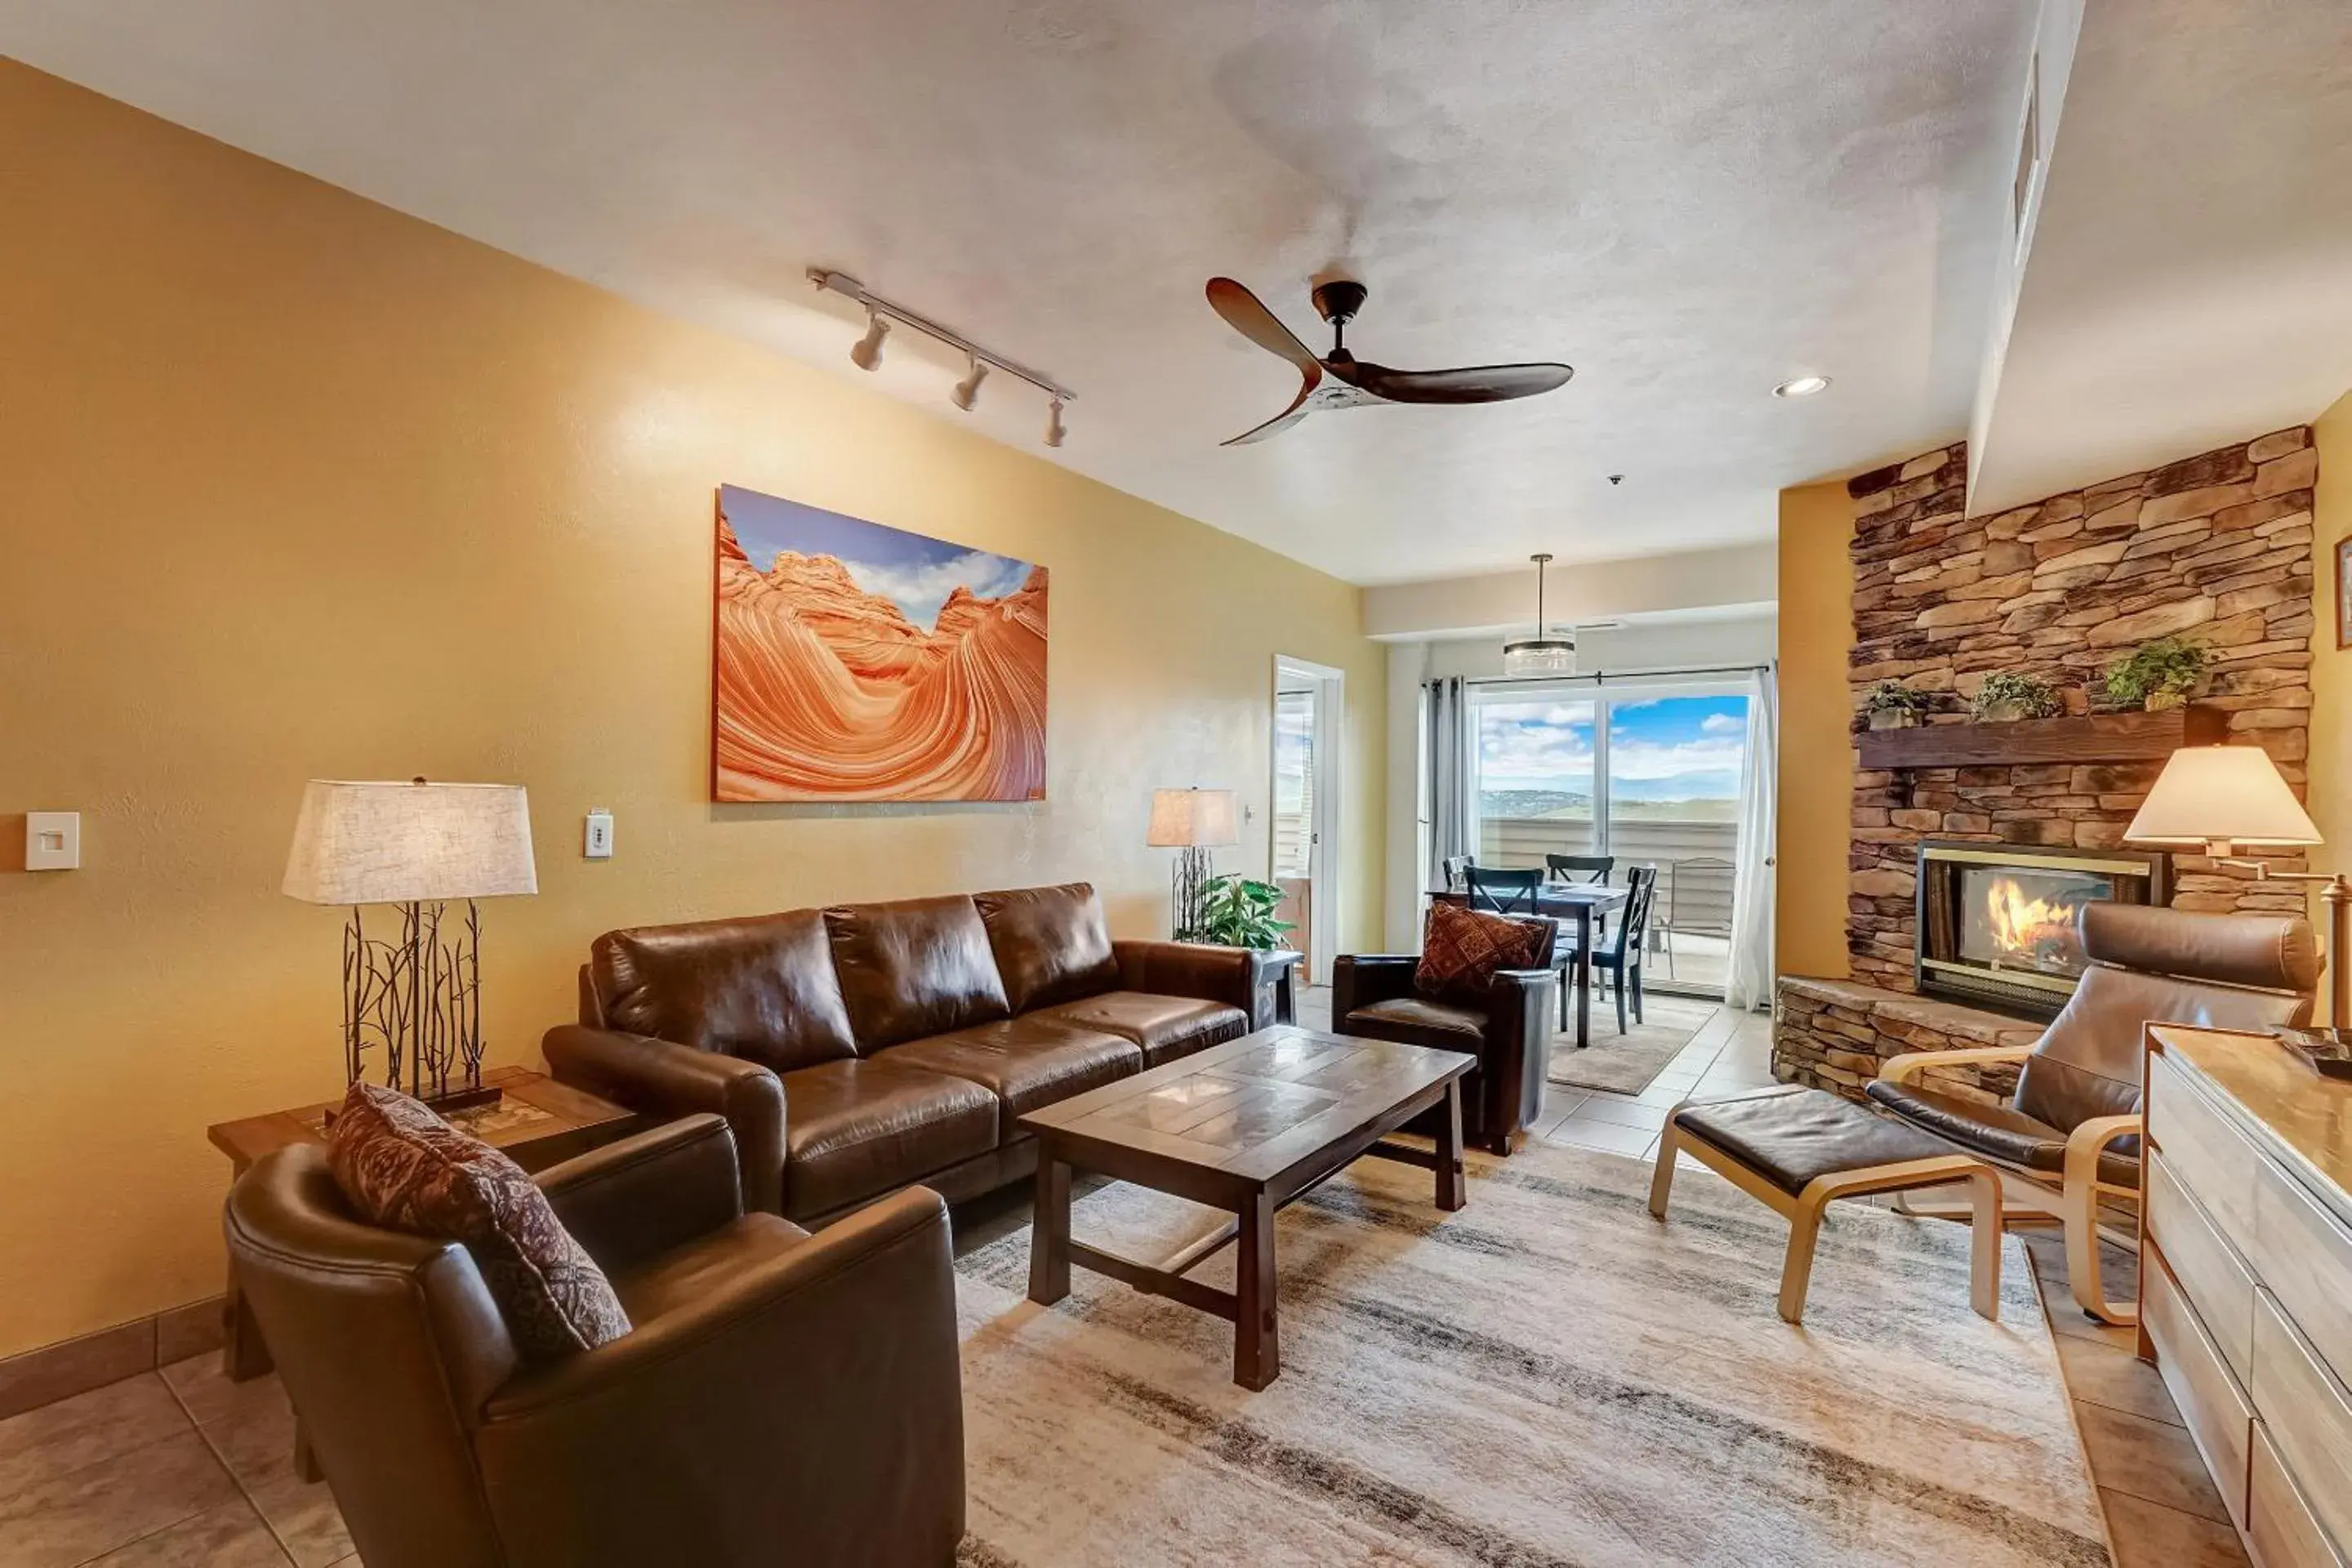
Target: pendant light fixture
x,y
1540,655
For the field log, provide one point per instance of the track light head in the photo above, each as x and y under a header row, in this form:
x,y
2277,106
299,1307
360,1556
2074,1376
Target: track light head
x,y
1053,431
867,354
967,391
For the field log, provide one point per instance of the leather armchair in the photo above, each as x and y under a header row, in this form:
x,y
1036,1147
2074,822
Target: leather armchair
x,y
2071,1128
1510,1031
782,1399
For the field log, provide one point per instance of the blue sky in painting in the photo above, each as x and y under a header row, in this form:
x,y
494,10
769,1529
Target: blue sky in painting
x,y
1671,748
912,572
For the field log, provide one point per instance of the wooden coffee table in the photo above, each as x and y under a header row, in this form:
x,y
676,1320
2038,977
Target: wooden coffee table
x,y
1248,1127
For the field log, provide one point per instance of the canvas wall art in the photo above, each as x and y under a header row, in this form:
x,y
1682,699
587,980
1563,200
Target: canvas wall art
x,y
853,662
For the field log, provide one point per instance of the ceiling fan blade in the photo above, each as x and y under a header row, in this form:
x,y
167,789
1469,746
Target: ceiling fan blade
x,y
1244,313
1475,383
1300,409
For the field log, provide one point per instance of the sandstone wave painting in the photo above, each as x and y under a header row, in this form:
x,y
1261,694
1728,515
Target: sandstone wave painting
x,y
857,662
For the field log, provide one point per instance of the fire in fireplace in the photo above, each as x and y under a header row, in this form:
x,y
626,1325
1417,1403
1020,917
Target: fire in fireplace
x,y
1998,923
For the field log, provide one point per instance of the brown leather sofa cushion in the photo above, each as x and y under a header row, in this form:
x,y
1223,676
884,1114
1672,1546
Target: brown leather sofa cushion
x,y
1051,944
404,1168
1999,1132
1419,1021
1166,1028
855,1128
761,988
1792,1134
1461,950
917,967
1024,1062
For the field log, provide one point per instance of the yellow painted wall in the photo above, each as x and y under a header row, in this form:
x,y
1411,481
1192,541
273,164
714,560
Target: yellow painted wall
x,y
2331,669
1816,782
293,486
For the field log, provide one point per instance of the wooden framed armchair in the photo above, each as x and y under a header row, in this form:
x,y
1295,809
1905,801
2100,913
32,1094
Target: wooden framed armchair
x,y
2068,1140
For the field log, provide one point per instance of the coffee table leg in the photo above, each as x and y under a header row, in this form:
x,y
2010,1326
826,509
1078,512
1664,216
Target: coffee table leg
x,y
1453,1189
1049,1234
1257,1344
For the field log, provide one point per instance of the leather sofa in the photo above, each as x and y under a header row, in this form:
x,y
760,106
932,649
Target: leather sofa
x,y
1508,1030
865,1047
780,1398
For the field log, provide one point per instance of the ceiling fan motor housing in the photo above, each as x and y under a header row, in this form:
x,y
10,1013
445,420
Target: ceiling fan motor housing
x,y
1339,300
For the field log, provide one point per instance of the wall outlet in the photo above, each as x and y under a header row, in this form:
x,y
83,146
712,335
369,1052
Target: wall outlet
x,y
598,843
52,840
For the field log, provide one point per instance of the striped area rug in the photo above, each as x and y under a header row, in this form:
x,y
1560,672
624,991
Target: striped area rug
x,y
1546,1378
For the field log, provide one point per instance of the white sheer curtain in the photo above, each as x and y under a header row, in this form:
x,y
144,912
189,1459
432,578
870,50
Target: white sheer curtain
x,y
1750,983
1452,776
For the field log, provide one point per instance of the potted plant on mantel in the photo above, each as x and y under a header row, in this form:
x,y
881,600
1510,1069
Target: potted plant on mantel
x,y
1891,705
2163,673
2006,697
1237,911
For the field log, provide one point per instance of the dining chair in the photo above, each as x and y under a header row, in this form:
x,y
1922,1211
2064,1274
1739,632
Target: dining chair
x,y
1593,870
1452,866
1621,960
1502,892
1692,907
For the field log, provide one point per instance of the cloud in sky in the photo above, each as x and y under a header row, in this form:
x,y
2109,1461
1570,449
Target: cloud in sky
x,y
919,588
1551,745
1723,724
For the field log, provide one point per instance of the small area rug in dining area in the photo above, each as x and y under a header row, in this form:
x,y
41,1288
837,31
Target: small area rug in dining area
x,y
1547,1377
1624,1064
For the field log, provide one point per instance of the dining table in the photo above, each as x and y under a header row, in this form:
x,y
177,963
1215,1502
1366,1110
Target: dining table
x,y
1577,905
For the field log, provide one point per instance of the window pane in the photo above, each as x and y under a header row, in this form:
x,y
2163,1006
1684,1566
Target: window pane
x,y
1674,769
1294,783
1535,781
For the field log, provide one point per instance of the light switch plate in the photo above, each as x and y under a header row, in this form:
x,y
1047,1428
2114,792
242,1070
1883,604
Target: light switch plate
x,y
52,840
597,843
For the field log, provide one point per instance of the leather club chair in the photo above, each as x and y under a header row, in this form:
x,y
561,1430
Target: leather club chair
x,y
2070,1134
783,1398
1509,1032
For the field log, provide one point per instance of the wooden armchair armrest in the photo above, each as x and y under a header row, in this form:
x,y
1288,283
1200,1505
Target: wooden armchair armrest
x,y
2087,1142
1906,1068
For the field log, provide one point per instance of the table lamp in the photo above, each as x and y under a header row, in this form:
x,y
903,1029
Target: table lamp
x,y
2217,798
413,996
1192,821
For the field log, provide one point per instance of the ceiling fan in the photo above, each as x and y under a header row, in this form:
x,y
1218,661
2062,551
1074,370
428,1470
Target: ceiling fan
x,y
1353,381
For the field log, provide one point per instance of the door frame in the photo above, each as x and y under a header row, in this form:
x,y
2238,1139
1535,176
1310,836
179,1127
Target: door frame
x,y
1331,687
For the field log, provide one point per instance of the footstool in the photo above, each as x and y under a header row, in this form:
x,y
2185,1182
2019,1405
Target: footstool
x,y
1796,1148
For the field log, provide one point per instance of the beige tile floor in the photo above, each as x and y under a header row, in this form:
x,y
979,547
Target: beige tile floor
x,y
182,1468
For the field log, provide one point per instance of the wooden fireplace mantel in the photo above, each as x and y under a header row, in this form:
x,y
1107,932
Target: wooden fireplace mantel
x,y
2083,738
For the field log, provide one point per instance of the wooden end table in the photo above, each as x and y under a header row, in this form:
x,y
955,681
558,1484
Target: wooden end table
x,y
1248,1127
538,1122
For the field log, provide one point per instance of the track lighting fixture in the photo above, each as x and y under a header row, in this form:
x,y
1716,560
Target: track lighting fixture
x,y
967,391
880,315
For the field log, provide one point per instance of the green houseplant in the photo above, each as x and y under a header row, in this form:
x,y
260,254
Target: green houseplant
x,y
2163,672
1238,912
2006,696
1891,705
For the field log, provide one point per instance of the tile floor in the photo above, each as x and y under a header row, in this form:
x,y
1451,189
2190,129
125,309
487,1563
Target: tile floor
x,y
182,1468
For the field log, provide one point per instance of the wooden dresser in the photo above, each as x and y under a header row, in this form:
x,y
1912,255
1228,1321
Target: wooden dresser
x,y
2246,1281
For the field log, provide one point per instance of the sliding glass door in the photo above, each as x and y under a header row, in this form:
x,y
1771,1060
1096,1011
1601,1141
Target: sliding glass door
x,y
1649,774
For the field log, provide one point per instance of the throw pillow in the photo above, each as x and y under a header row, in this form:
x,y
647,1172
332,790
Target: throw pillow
x,y
405,1169
1460,948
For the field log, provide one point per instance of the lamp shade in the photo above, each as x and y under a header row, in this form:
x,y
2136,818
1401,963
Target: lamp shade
x,y
390,842
1192,818
2221,795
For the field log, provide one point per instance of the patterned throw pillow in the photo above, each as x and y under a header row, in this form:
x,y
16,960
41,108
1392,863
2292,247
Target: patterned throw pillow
x,y
405,1169
1460,948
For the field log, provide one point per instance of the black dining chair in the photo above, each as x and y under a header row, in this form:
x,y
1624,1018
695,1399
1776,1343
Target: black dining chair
x,y
1569,870
1453,866
1502,892
1621,960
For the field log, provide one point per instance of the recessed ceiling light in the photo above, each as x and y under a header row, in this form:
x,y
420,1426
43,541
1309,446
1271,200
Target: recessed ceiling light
x,y
1802,386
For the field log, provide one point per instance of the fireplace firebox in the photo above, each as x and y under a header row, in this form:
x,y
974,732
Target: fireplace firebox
x,y
1997,924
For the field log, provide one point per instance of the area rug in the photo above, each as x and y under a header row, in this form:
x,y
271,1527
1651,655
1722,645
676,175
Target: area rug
x,y
1624,1064
1546,1378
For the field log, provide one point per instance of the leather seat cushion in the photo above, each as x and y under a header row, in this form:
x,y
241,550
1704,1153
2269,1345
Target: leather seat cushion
x,y
1166,1028
1792,1134
1419,1021
1999,1132
1024,1062
858,1128
684,1275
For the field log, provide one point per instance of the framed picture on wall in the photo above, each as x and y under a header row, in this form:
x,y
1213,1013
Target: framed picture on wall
x,y
2343,593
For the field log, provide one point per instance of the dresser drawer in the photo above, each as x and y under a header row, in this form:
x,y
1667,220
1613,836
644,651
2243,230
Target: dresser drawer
x,y
2209,1157
2207,1272
2210,1400
2303,1255
2278,1521
2308,1415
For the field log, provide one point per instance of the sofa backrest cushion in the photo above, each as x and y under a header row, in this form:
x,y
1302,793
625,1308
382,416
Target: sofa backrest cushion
x,y
914,968
761,987
1050,944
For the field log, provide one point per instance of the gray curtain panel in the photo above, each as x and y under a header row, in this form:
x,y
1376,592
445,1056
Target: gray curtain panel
x,y
1452,774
